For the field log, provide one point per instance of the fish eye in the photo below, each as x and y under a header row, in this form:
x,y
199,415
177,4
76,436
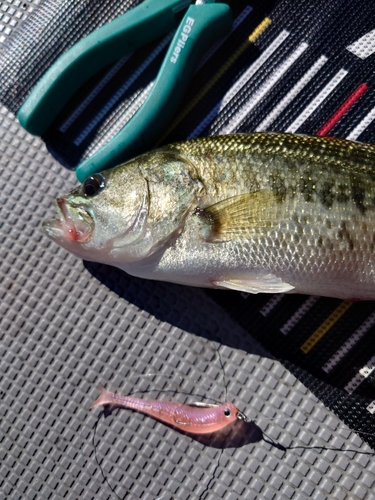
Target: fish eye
x,y
93,185
227,412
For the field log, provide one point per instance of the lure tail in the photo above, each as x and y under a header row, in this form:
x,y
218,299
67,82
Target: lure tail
x,y
105,398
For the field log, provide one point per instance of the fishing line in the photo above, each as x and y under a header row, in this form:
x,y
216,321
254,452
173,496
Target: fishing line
x,y
253,418
178,387
207,488
266,438
176,390
302,425
270,440
324,448
128,492
225,384
97,459
176,383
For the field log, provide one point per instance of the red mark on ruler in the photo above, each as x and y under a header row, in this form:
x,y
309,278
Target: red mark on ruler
x,y
345,106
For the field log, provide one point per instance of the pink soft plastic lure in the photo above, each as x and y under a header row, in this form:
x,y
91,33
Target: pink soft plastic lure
x,y
196,418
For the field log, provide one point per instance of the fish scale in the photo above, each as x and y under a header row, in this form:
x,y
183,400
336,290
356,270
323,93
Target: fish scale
x,y
261,212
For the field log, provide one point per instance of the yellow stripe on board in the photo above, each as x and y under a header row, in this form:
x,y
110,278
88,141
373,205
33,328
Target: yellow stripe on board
x,y
259,29
254,35
324,327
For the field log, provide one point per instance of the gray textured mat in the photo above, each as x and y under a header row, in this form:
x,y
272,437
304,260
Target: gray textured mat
x,y
11,13
62,331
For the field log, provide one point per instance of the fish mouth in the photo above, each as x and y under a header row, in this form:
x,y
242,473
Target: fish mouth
x,y
74,223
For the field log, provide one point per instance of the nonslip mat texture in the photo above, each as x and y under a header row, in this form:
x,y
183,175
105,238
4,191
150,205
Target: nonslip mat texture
x,y
66,325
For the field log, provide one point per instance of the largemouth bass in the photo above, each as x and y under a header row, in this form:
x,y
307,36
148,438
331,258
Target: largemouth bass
x,y
262,212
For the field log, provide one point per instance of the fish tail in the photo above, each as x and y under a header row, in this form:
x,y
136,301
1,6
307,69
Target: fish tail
x,y
105,398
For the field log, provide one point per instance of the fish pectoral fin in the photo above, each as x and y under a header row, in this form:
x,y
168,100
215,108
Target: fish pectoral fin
x,y
238,215
267,283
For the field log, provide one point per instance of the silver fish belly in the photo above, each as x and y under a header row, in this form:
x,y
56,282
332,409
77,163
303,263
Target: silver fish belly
x,y
258,213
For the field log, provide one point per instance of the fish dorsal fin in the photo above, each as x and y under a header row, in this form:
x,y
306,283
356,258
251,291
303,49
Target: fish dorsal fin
x,y
237,216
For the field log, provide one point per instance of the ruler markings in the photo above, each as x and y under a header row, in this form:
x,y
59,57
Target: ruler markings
x,y
254,35
271,304
360,376
297,88
326,326
239,19
317,101
258,95
362,125
371,407
121,91
349,344
364,46
91,96
298,315
253,68
344,108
